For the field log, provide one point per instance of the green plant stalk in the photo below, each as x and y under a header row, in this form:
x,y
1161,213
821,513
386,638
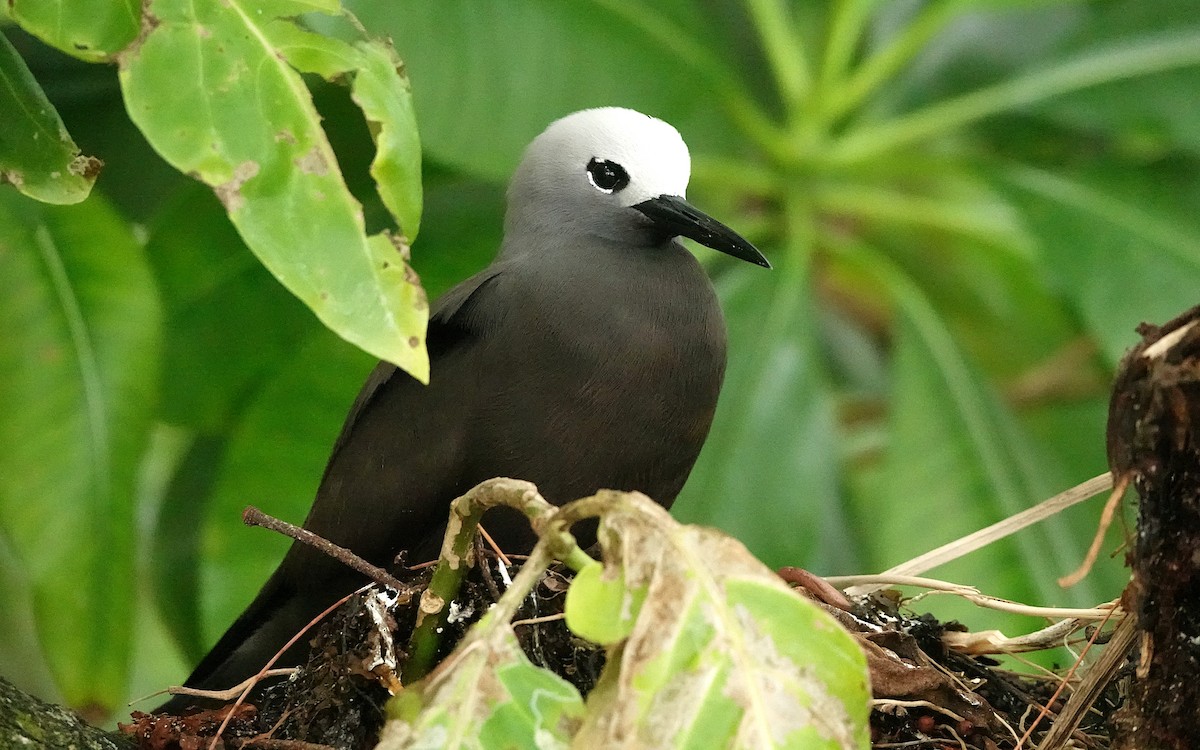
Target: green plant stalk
x,y
1154,56
736,174
455,558
785,53
554,543
900,208
884,64
1086,199
848,20
914,305
743,111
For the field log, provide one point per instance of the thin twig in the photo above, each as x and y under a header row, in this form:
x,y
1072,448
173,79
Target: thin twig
x,y
537,620
1093,683
973,595
252,516
485,567
996,531
267,667
495,547
1106,517
229,694
270,743
883,703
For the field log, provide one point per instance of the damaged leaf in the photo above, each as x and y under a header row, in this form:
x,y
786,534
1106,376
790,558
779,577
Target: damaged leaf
x,y
380,88
722,653
92,30
487,694
235,113
37,155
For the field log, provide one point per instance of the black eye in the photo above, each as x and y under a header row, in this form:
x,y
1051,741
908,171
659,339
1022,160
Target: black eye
x,y
607,176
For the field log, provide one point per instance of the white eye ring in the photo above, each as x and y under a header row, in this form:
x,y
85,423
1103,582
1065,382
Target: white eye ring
x,y
607,176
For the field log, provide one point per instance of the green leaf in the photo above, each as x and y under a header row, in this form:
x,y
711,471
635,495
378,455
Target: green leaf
x,y
723,653
1121,243
570,56
92,30
600,607
1145,113
487,694
289,426
957,455
775,430
383,93
229,325
78,381
1129,59
233,112
37,154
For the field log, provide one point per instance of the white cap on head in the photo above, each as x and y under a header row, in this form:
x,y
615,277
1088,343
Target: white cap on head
x,y
611,174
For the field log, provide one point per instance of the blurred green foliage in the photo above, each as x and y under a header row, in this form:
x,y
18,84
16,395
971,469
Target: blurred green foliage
x,y
969,204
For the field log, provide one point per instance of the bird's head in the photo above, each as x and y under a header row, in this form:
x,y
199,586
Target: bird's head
x,y
617,174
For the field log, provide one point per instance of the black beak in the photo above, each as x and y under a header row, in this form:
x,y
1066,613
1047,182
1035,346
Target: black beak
x,y
676,217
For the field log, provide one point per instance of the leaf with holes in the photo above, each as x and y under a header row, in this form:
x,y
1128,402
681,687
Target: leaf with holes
x,y
486,694
37,154
722,652
235,112
92,30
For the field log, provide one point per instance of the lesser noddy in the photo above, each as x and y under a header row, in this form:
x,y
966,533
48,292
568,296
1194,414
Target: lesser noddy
x,y
587,356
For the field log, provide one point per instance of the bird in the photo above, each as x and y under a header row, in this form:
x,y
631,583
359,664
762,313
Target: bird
x,y
588,355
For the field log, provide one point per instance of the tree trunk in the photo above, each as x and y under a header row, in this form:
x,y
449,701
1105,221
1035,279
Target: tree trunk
x,y
30,723
1154,439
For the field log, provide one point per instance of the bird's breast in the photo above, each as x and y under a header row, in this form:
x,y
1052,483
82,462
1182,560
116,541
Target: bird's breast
x,y
613,384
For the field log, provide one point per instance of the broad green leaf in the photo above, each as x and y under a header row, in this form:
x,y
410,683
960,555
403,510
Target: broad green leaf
x,y
487,694
957,461
994,298
233,112
397,167
157,659
229,325
1122,245
722,654
21,657
37,154
1154,54
78,382
92,30
481,102
230,329
1144,114
175,560
273,459
772,452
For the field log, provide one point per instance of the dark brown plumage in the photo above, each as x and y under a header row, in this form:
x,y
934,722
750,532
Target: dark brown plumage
x,y
589,355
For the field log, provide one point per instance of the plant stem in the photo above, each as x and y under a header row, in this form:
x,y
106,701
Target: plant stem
x,y
454,560
992,223
848,20
1101,206
785,52
884,64
1152,55
743,111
